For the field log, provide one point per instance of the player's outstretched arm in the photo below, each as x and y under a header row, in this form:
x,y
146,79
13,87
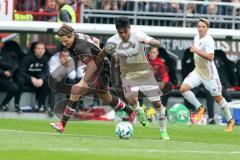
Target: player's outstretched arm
x,y
91,68
154,43
94,64
101,55
149,40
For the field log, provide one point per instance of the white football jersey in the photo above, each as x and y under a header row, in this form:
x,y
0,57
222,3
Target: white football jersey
x,y
131,54
205,68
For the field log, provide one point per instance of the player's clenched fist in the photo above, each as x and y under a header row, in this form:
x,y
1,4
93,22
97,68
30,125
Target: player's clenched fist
x,y
193,49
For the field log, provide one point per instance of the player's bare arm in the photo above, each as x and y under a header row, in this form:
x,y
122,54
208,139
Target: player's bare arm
x,y
91,68
154,43
207,56
101,55
150,41
94,64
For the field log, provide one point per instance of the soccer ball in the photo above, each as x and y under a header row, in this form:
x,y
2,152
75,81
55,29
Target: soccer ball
x,y
124,130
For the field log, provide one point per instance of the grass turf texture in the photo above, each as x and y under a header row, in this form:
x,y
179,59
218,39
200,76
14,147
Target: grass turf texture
x,y
34,140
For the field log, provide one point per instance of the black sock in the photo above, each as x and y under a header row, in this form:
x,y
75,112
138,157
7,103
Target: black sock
x,y
69,110
128,110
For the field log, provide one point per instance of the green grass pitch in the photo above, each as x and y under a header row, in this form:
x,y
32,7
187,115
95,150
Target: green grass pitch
x,y
22,139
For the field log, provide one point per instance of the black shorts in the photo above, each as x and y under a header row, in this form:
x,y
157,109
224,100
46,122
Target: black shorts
x,y
101,82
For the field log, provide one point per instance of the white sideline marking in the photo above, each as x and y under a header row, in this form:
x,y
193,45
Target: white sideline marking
x,y
143,150
55,133
105,137
125,150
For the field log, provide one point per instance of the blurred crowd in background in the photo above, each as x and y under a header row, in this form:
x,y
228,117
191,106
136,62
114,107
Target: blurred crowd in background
x,y
53,7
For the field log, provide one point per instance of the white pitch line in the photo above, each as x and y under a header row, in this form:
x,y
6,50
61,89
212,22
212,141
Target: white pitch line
x,y
143,150
126,150
105,137
49,133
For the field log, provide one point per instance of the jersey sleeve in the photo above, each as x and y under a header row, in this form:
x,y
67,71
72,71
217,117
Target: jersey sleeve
x,y
210,46
111,46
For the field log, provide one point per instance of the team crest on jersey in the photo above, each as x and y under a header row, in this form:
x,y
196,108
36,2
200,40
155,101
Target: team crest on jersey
x,y
133,45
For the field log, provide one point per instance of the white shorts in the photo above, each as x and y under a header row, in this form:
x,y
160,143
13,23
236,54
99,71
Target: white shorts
x,y
148,87
214,86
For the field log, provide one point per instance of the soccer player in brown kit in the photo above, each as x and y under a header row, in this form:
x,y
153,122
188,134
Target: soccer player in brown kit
x,y
87,52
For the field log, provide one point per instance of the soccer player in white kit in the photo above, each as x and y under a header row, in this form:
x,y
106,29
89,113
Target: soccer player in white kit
x,y
128,47
205,73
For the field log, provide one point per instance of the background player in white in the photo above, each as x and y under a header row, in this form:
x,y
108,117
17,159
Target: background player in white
x,y
128,47
205,73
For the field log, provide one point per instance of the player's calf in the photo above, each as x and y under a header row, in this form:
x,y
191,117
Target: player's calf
x,y
67,114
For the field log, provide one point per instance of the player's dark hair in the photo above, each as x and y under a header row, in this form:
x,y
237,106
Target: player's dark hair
x,y
65,30
122,22
64,50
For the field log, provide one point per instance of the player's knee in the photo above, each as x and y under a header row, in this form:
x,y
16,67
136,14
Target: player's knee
x,y
218,99
106,97
157,104
74,97
132,101
72,104
184,88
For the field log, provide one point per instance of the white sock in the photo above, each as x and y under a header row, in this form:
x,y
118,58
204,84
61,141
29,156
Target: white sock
x,y
225,106
162,118
191,98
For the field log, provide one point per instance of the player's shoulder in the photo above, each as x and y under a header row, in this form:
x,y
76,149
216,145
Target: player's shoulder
x,y
208,39
137,32
114,38
196,37
81,41
81,35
